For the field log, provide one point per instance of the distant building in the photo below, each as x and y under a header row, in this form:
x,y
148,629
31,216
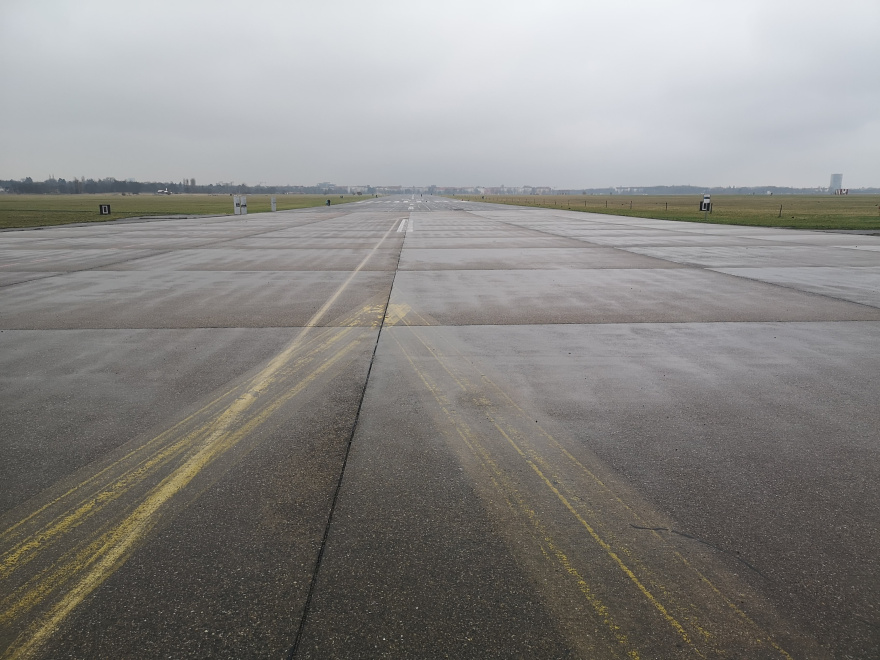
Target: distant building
x,y
836,184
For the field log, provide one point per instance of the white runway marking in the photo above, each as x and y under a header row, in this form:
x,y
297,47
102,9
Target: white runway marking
x,y
402,226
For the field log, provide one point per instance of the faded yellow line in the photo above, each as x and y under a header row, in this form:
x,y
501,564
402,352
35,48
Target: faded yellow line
x,y
470,440
9,530
217,428
598,606
763,638
635,564
259,382
119,541
590,530
19,555
319,346
729,603
614,556
145,448
37,589
395,314
115,545
596,537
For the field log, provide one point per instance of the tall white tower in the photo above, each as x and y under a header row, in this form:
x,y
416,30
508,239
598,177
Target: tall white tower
x,y
836,183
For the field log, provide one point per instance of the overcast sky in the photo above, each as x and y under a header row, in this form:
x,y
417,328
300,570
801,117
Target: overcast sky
x,y
552,93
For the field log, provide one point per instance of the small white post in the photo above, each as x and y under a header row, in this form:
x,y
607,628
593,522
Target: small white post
x,y
273,204
236,200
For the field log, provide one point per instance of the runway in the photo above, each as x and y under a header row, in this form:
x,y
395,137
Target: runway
x,y
419,427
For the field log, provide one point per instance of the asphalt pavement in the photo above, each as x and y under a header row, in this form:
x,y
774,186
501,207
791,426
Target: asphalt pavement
x,y
419,427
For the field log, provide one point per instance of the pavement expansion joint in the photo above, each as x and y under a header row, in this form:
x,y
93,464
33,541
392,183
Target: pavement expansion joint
x,y
414,427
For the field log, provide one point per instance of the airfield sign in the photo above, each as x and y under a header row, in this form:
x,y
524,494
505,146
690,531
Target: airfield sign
x,y
240,202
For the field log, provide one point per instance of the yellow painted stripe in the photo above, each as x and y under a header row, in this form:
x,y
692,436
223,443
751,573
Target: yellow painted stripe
x,y
115,545
224,431
142,449
19,555
259,382
614,556
219,441
590,530
470,440
763,638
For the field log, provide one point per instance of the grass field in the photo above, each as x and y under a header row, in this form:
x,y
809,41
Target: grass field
x,y
42,210
800,212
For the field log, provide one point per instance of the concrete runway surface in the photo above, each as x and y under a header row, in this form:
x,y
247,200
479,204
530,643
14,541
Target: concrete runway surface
x,y
417,427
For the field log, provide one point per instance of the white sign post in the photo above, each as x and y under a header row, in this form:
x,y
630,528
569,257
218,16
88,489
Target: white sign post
x,y
236,200
244,205
273,204
706,207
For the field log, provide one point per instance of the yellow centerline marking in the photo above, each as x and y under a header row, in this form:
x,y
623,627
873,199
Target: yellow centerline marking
x,y
101,557
470,440
592,532
17,556
113,548
610,551
215,441
532,461
729,603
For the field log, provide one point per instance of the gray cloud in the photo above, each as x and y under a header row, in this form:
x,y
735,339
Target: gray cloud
x,y
559,93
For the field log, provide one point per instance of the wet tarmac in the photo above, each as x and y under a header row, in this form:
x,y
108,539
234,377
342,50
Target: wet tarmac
x,y
419,427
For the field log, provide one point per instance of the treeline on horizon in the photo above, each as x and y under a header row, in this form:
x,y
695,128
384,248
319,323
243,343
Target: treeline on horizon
x,y
675,190
110,186
716,190
79,186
